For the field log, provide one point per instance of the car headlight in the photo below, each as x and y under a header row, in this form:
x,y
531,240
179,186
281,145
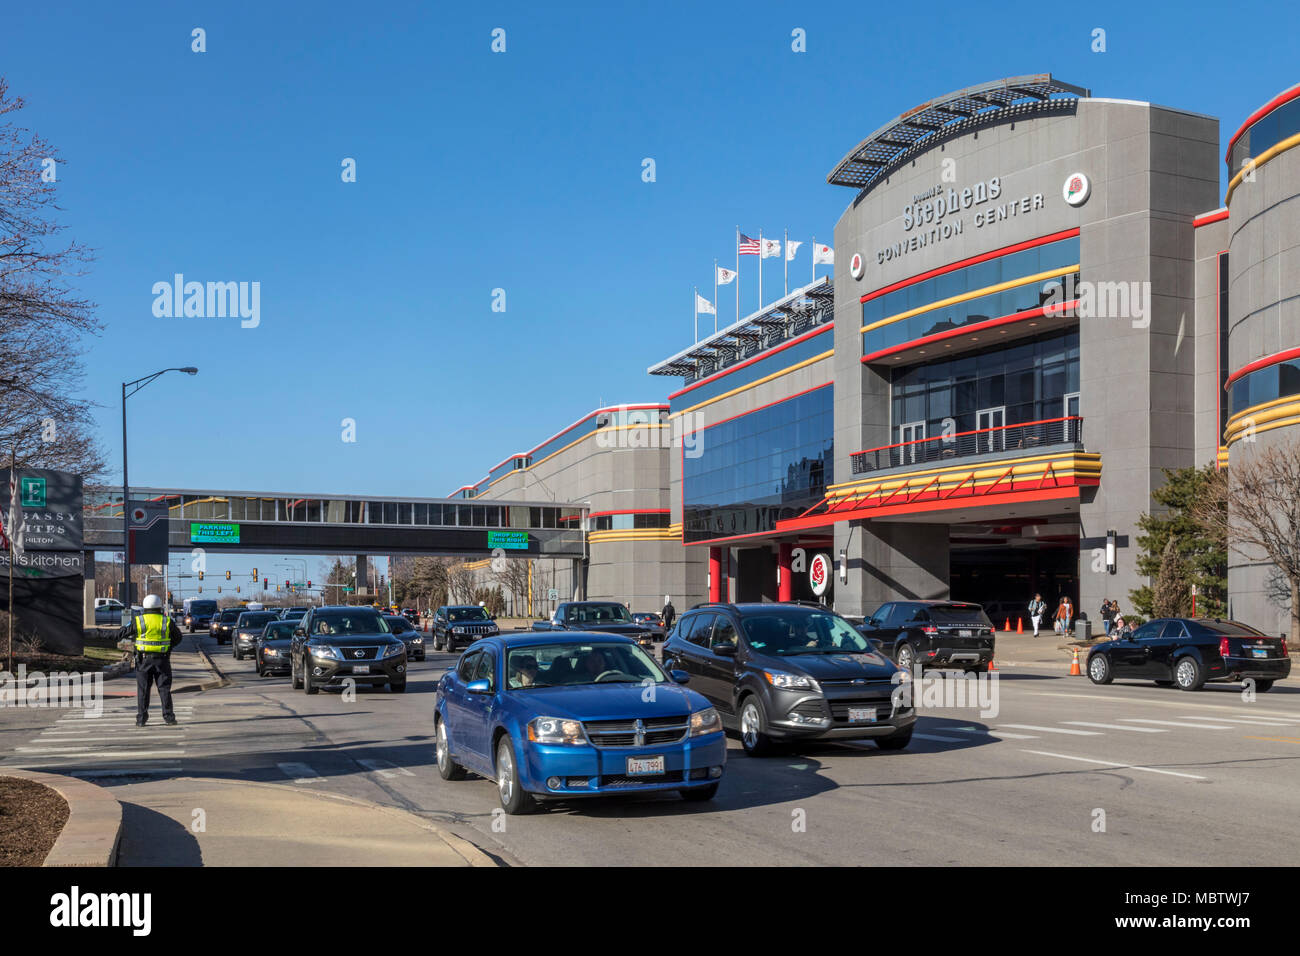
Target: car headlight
x,y
705,721
270,652
394,649
556,730
325,650
458,630
790,681
417,640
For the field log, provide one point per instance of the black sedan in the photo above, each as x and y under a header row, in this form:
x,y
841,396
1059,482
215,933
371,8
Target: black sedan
x,y
411,635
272,654
1190,651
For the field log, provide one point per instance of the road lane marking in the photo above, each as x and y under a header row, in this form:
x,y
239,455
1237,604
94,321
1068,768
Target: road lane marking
x,y
1140,730
385,769
1249,721
1115,766
936,737
1000,733
1180,704
1054,730
1179,723
63,752
1281,740
300,772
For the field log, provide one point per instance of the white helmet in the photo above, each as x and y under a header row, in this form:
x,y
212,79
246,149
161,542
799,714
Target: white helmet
x,y
152,600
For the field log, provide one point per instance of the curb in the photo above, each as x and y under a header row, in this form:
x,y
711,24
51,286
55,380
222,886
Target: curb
x,y
467,851
221,680
94,827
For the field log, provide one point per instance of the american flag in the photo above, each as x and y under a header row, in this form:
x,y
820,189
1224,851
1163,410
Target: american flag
x,y
748,246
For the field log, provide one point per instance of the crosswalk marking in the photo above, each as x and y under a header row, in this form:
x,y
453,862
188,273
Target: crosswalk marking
x,y
1053,730
1115,766
936,737
300,772
1139,730
1177,723
385,769
1249,721
1000,733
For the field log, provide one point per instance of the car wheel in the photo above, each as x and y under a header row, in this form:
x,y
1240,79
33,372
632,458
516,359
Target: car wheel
x,y
905,657
293,676
307,684
397,687
895,741
448,769
1099,669
752,724
1188,675
699,794
1263,685
514,799
191,628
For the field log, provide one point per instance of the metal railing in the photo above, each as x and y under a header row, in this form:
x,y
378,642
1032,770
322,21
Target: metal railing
x,y
946,448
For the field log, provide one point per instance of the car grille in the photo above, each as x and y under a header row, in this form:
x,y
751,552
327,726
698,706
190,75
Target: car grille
x,y
474,628
367,653
618,780
810,708
622,733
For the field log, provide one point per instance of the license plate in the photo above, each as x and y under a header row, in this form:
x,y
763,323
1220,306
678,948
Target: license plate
x,y
1259,651
862,715
964,633
644,766
361,668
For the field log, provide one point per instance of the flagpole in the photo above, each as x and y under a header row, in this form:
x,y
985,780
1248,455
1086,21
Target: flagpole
x,y
695,307
715,295
737,274
761,250
814,258
785,251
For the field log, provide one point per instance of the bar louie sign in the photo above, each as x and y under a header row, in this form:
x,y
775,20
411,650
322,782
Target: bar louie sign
x,y
936,214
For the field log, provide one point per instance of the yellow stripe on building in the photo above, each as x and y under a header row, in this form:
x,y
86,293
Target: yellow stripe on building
x,y
967,296
1253,164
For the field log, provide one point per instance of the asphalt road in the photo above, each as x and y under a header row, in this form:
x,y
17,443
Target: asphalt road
x,y
1064,773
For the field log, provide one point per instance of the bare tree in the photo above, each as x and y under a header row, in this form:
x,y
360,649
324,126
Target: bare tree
x,y
514,579
42,320
1256,504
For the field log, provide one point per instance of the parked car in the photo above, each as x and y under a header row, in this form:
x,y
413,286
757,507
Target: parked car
x,y
457,624
248,628
109,615
223,624
566,715
1187,652
607,617
791,672
651,621
272,652
933,634
410,635
332,644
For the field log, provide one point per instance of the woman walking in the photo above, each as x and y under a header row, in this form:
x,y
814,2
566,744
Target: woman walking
x,y
1064,615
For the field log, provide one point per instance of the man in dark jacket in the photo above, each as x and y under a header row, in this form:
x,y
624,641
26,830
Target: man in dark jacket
x,y
669,614
155,635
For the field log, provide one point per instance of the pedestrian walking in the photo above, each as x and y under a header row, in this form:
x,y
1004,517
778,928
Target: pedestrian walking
x,y
1037,608
669,613
1109,610
155,636
1064,615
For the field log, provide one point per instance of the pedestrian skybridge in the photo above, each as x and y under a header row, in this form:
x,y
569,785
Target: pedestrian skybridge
x,y
277,523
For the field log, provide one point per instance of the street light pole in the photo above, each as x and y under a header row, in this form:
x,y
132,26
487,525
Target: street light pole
x,y
135,386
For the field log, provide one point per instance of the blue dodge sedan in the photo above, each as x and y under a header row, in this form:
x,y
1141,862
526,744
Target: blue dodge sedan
x,y
558,716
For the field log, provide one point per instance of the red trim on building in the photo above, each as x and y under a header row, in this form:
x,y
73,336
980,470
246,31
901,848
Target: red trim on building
x,y
758,409
1217,216
1284,97
630,511
1258,364
752,359
942,504
970,329
973,260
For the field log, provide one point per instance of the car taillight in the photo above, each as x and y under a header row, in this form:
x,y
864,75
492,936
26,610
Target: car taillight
x,y
1285,652
1223,647
929,629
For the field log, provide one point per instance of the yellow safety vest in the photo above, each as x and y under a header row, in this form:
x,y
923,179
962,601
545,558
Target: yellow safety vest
x,y
151,634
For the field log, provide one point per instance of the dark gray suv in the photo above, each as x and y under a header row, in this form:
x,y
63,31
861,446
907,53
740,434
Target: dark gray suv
x,y
333,644
791,672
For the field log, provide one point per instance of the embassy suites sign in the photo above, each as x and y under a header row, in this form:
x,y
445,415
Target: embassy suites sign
x,y
942,212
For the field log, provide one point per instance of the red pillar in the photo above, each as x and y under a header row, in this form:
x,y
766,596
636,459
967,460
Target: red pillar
x,y
785,587
715,574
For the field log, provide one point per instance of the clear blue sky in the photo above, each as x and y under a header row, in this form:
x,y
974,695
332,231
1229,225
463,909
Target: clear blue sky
x,y
479,171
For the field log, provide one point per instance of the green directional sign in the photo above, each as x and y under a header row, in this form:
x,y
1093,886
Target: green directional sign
x,y
205,532
508,540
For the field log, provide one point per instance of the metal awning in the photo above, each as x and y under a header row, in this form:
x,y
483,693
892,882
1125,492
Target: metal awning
x,y
889,144
815,300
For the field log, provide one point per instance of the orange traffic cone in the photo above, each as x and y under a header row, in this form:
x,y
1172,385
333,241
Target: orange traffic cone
x,y
1074,665
1020,625
992,667
1007,626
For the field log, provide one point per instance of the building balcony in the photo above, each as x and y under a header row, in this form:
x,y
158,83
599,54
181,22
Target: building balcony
x,y
973,446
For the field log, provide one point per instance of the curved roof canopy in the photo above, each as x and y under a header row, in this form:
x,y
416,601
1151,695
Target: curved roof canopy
x,y
887,145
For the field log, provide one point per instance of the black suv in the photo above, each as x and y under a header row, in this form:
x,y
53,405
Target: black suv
x,y
461,624
933,634
331,644
223,624
248,628
790,671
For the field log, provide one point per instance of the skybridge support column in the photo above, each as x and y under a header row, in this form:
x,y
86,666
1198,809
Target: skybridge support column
x,y
363,574
890,561
579,576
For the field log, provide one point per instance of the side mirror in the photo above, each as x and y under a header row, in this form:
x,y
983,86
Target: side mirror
x,y
479,687
680,677
725,650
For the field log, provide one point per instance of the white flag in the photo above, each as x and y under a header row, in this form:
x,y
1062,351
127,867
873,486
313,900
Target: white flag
x,y
703,305
14,520
823,255
726,276
771,247
791,247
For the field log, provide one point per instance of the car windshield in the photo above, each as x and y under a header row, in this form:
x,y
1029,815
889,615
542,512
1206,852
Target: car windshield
x,y
467,614
597,614
256,618
201,607
398,625
554,665
958,614
230,615
348,622
790,632
278,631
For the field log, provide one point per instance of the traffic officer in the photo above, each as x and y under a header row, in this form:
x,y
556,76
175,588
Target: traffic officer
x,y
155,635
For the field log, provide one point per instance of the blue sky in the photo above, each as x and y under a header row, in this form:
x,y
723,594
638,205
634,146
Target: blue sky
x,y
478,171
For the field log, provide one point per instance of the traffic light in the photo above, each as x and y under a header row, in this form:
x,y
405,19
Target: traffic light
x,y
218,588
286,584
309,585
200,588
200,578
227,575
255,575
236,588
265,583
169,597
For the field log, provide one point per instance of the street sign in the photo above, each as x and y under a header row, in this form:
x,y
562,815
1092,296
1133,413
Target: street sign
x,y
553,594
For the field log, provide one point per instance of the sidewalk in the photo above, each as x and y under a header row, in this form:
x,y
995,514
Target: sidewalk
x,y
191,671
1024,650
265,824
